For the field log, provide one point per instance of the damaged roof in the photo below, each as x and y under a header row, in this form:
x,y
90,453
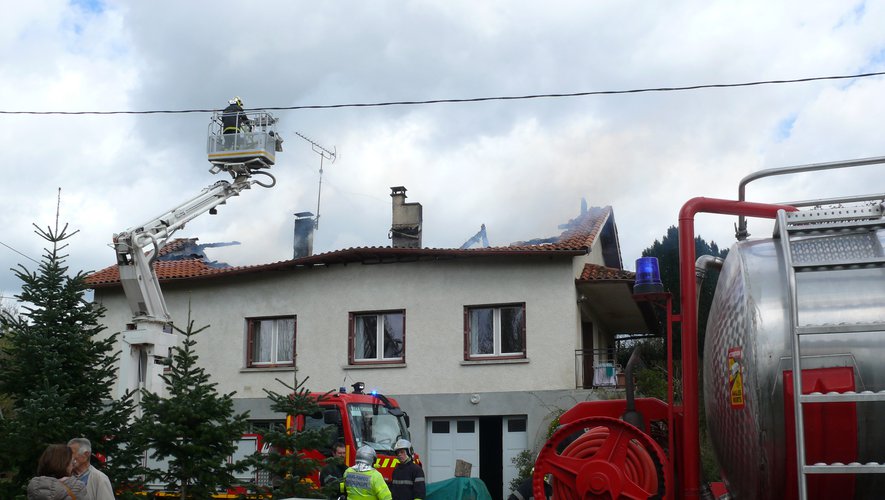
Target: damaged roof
x,y
184,259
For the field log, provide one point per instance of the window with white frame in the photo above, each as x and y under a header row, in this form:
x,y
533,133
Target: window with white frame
x,y
377,337
494,331
271,342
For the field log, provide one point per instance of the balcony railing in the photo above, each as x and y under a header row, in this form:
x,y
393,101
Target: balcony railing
x,y
597,368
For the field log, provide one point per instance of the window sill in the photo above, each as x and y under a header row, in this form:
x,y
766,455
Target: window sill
x,y
262,369
493,361
372,366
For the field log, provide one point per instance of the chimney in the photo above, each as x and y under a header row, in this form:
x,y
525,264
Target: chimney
x,y
303,235
406,229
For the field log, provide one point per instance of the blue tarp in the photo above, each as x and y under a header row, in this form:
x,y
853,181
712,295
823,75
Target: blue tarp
x,y
458,488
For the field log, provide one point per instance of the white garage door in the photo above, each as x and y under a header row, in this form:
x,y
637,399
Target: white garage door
x,y
450,439
514,441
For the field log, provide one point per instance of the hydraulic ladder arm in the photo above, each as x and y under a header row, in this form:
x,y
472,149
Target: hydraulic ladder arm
x,y
149,338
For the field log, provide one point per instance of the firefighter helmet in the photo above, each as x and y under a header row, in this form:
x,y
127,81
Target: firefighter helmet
x,y
236,100
365,455
403,444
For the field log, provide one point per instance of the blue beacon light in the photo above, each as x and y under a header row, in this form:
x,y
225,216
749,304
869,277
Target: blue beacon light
x,y
648,276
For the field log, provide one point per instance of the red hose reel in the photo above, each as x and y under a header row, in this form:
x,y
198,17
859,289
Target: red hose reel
x,y
601,457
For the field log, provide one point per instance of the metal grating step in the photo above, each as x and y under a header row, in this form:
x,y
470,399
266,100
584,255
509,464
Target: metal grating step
x,y
842,397
834,218
849,468
838,266
840,328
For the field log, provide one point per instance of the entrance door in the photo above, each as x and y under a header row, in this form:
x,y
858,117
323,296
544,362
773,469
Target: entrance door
x,y
450,439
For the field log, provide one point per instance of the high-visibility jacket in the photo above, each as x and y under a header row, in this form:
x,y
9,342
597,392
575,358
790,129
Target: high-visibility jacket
x,y
365,485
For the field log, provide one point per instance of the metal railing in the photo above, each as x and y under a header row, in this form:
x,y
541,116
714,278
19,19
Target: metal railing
x,y
597,368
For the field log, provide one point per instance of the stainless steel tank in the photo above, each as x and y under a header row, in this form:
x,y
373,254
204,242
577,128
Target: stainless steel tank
x,y
748,332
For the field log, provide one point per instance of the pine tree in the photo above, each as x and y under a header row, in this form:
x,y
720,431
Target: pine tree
x,y
194,428
291,472
57,374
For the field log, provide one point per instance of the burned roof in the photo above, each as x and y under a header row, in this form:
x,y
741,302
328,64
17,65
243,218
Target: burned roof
x,y
187,261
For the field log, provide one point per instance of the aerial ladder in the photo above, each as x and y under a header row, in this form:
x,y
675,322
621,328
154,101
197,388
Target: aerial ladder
x,y
246,155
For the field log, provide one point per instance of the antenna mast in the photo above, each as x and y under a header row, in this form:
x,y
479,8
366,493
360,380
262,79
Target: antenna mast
x,y
325,154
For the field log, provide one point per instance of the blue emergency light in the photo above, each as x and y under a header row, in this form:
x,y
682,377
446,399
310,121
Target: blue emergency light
x,y
648,276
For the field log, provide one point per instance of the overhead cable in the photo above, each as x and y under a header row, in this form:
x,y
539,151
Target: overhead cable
x,y
465,100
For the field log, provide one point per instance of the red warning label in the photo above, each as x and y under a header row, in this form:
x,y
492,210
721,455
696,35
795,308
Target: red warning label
x,y
736,377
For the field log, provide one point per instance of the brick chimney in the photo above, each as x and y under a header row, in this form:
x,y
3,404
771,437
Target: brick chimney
x,y
407,217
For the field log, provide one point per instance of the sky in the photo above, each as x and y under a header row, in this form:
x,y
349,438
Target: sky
x,y
521,167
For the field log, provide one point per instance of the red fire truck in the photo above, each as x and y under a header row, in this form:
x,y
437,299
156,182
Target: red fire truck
x,y
359,418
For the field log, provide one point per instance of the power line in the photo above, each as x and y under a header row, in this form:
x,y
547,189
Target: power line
x,y
20,253
465,100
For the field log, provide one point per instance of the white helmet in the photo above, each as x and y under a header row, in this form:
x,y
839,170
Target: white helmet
x,y
236,100
365,455
403,444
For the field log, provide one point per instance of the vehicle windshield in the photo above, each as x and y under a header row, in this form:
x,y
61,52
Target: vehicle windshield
x,y
373,425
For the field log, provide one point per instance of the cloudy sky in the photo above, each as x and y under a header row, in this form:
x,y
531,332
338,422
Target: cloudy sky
x,y
521,167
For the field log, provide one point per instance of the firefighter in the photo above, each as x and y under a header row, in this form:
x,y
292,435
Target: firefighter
x,y
362,481
233,118
407,482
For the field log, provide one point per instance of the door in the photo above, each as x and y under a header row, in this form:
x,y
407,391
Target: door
x,y
587,355
450,439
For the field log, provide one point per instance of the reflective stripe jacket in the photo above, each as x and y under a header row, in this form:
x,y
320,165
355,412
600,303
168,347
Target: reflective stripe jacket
x,y
407,481
365,485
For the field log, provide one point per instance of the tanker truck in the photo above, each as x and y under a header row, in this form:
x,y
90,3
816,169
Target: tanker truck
x,y
793,365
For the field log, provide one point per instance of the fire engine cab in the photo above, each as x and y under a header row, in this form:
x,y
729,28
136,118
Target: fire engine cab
x,y
359,418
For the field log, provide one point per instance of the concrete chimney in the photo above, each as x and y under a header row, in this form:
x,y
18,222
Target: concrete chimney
x,y
303,235
407,217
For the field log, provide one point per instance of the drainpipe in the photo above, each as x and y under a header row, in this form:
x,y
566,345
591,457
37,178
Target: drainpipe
x,y
701,266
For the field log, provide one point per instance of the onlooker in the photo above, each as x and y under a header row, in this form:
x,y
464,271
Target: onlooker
x,y
333,472
97,483
407,482
362,481
54,481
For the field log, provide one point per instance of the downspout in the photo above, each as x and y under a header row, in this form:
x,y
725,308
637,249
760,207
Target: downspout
x,y
690,439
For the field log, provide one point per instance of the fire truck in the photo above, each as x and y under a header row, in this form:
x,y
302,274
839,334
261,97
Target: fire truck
x,y
246,155
359,418
793,372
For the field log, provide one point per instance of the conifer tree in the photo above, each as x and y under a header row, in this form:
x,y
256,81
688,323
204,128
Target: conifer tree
x,y
290,472
194,429
57,372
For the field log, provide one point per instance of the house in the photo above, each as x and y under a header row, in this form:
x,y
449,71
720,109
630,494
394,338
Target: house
x,y
481,346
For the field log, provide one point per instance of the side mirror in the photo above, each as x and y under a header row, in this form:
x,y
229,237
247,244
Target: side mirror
x,y
331,417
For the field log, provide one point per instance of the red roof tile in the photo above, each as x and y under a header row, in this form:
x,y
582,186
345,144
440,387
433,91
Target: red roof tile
x,y
576,240
595,272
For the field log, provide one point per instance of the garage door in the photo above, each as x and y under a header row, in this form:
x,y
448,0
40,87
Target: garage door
x,y
514,440
450,439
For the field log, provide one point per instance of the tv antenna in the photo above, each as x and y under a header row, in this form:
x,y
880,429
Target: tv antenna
x,y
325,154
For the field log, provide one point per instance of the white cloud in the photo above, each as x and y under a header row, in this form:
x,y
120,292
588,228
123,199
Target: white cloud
x,y
520,167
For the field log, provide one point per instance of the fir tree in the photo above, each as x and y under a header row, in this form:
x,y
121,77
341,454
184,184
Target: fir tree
x,y
290,472
57,373
193,429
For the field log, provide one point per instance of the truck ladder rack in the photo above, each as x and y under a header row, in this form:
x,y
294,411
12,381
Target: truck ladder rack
x,y
833,240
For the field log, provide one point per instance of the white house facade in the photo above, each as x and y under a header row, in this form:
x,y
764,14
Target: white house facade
x,y
481,347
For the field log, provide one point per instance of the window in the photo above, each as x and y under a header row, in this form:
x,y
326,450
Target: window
x,y
494,331
377,337
271,342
